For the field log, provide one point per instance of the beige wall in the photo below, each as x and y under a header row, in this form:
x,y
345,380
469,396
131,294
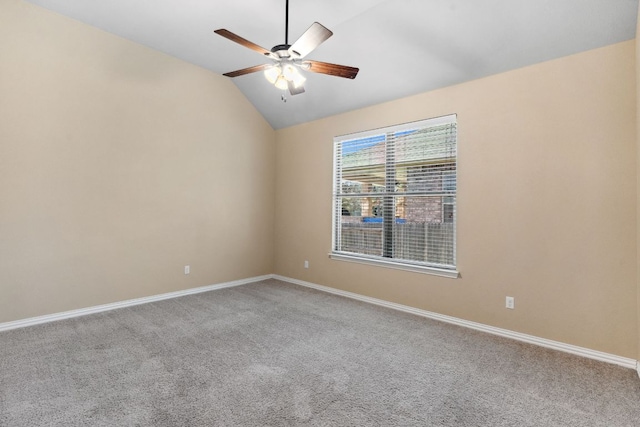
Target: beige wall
x,y
118,166
546,206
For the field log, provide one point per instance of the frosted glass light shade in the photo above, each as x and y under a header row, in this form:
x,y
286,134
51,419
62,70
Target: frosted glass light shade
x,y
281,83
298,79
289,72
272,74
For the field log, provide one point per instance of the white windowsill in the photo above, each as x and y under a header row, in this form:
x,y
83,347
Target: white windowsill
x,y
452,274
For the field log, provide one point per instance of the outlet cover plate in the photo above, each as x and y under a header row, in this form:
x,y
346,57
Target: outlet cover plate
x,y
510,302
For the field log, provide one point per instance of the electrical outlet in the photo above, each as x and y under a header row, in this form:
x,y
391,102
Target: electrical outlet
x,y
511,303
306,264
187,269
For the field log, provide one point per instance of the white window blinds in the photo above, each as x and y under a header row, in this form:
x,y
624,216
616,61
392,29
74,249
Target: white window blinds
x,y
395,194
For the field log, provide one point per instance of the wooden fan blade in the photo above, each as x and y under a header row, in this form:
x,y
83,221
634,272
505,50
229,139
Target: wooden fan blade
x,y
293,90
331,69
249,70
244,42
311,39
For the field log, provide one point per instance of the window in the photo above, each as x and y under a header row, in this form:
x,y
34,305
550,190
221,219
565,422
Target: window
x,y
394,200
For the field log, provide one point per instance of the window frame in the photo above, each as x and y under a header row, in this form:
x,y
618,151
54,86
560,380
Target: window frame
x,y
395,263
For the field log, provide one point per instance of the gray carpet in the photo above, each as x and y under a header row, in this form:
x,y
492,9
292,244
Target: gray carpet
x,y
277,354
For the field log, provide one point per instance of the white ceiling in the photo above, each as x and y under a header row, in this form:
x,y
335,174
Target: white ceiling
x,y
402,47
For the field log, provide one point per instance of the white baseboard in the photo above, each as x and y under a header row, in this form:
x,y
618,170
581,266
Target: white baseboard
x,y
121,304
543,342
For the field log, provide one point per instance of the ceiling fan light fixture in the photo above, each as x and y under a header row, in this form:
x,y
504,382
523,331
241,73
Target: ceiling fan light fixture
x,y
272,74
281,75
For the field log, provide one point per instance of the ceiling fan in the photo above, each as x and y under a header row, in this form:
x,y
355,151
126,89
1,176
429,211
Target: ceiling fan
x,y
287,59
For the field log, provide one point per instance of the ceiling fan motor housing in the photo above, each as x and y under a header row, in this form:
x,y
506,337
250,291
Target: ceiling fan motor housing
x,y
282,50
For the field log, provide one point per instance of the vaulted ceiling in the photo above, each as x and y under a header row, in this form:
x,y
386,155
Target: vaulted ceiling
x,y
402,47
